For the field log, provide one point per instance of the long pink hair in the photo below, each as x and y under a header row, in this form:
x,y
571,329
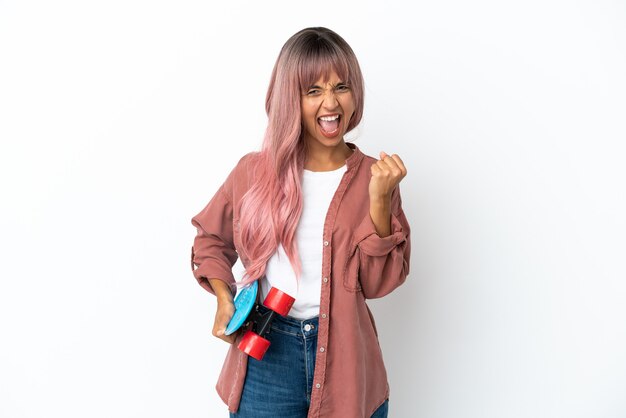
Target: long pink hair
x,y
271,209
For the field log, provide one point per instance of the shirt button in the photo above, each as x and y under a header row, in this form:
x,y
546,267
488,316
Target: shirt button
x,y
307,327
322,349
323,315
318,386
325,243
325,279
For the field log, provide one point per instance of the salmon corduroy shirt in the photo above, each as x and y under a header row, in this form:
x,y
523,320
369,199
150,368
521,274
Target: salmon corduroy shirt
x,y
350,380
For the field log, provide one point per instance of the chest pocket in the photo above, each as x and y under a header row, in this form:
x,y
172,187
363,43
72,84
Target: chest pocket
x,y
351,269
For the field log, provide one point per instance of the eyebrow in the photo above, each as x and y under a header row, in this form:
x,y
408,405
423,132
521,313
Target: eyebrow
x,y
318,87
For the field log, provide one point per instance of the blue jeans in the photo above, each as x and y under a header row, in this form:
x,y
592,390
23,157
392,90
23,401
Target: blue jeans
x,y
279,386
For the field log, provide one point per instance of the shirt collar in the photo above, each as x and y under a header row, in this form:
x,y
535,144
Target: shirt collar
x,y
356,157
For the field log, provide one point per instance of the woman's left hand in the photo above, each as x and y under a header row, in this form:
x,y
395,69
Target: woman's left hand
x,y
386,174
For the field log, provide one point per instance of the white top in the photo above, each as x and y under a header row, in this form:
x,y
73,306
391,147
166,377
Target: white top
x,y
318,188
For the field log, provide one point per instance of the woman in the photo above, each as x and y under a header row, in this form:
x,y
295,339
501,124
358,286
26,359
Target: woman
x,y
316,218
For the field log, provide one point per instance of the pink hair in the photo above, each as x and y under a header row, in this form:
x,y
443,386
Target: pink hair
x,y
271,209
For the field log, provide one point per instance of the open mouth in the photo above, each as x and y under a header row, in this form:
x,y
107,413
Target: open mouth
x,y
329,124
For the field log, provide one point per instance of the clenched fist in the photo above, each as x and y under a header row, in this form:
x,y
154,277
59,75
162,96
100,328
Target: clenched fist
x,y
386,174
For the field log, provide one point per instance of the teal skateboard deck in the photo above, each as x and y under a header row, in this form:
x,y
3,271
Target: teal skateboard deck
x,y
244,302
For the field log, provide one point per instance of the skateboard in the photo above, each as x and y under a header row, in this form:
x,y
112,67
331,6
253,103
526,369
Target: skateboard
x,y
246,311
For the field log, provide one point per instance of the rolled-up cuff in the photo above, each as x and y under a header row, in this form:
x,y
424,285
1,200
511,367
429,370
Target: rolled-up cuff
x,y
371,243
213,270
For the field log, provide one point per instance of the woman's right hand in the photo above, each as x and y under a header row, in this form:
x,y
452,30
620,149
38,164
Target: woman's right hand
x,y
225,311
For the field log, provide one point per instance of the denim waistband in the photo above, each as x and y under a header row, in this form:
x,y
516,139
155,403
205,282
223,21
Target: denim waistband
x,y
288,324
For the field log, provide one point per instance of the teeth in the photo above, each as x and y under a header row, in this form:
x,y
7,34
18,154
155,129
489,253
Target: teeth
x,y
329,118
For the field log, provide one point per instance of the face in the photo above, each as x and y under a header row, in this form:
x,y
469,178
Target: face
x,y
331,100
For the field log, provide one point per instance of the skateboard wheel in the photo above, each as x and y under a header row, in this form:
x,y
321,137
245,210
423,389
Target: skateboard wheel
x,y
279,301
253,345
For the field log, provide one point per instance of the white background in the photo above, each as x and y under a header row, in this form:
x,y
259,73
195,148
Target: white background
x,y
120,119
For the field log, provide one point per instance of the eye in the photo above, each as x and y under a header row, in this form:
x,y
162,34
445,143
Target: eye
x,y
342,87
312,91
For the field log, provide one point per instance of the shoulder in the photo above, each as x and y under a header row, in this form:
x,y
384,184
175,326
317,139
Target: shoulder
x,y
365,165
249,158
245,166
240,173
368,161
244,162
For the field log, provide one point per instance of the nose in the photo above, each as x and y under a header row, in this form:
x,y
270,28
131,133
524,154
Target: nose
x,y
330,101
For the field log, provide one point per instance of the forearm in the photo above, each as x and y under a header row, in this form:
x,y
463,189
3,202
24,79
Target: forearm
x,y
222,290
380,212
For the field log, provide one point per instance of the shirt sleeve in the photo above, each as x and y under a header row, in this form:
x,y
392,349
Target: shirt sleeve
x,y
213,253
383,262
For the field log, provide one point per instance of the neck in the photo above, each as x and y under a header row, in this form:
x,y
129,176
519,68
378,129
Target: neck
x,y
327,158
